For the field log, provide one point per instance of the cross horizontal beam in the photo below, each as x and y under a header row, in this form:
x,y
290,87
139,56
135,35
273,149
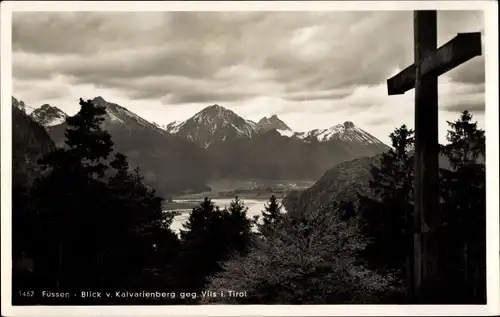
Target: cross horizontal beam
x,y
460,49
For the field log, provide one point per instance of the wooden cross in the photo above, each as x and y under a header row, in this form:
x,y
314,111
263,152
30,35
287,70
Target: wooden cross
x,y
430,62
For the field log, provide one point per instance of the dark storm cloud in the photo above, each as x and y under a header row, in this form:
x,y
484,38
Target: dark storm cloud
x,y
177,57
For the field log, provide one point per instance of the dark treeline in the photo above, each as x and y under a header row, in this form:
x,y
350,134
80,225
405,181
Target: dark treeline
x,y
460,237
89,223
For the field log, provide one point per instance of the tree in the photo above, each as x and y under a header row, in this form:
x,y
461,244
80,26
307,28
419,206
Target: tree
x,y
87,144
70,199
463,232
271,216
98,229
306,261
238,227
209,237
199,220
466,142
142,231
388,214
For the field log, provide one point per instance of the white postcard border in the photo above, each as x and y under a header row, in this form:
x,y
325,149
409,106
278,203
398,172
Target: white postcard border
x,y
490,9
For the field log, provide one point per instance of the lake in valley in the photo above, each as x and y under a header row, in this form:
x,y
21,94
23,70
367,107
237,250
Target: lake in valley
x,y
255,207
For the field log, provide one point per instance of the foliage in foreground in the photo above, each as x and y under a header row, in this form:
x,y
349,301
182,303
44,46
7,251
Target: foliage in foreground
x,y
304,261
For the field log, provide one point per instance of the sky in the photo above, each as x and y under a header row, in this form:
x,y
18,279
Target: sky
x,y
312,69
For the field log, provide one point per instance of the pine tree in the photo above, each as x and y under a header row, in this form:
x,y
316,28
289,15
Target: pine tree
x,y
88,145
238,226
209,237
466,142
144,239
199,251
388,214
199,220
464,226
271,216
70,200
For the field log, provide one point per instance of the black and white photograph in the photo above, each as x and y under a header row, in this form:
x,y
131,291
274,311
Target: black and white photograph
x,y
206,155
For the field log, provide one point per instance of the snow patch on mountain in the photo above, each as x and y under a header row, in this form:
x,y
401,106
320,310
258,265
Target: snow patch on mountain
x,y
116,114
19,104
56,121
49,116
287,133
346,131
213,123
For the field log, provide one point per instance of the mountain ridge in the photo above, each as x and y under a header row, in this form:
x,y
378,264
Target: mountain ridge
x,y
212,124
346,131
30,142
217,143
210,118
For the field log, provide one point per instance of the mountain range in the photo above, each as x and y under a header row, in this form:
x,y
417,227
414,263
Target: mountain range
x,y
217,143
215,123
30,142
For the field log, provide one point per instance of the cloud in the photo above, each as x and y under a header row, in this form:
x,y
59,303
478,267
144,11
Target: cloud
x,y
82,32
378,120
320,95
41,90
472,102
203,97
332,66
460,96
303,55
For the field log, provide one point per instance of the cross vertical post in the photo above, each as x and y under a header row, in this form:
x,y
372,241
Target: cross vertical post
x,y
430,63
426,194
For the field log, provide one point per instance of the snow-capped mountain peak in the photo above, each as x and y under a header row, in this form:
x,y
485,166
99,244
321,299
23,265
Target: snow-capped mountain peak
x,y
117,114
19,104
213,123
346,131
48,115
214,114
